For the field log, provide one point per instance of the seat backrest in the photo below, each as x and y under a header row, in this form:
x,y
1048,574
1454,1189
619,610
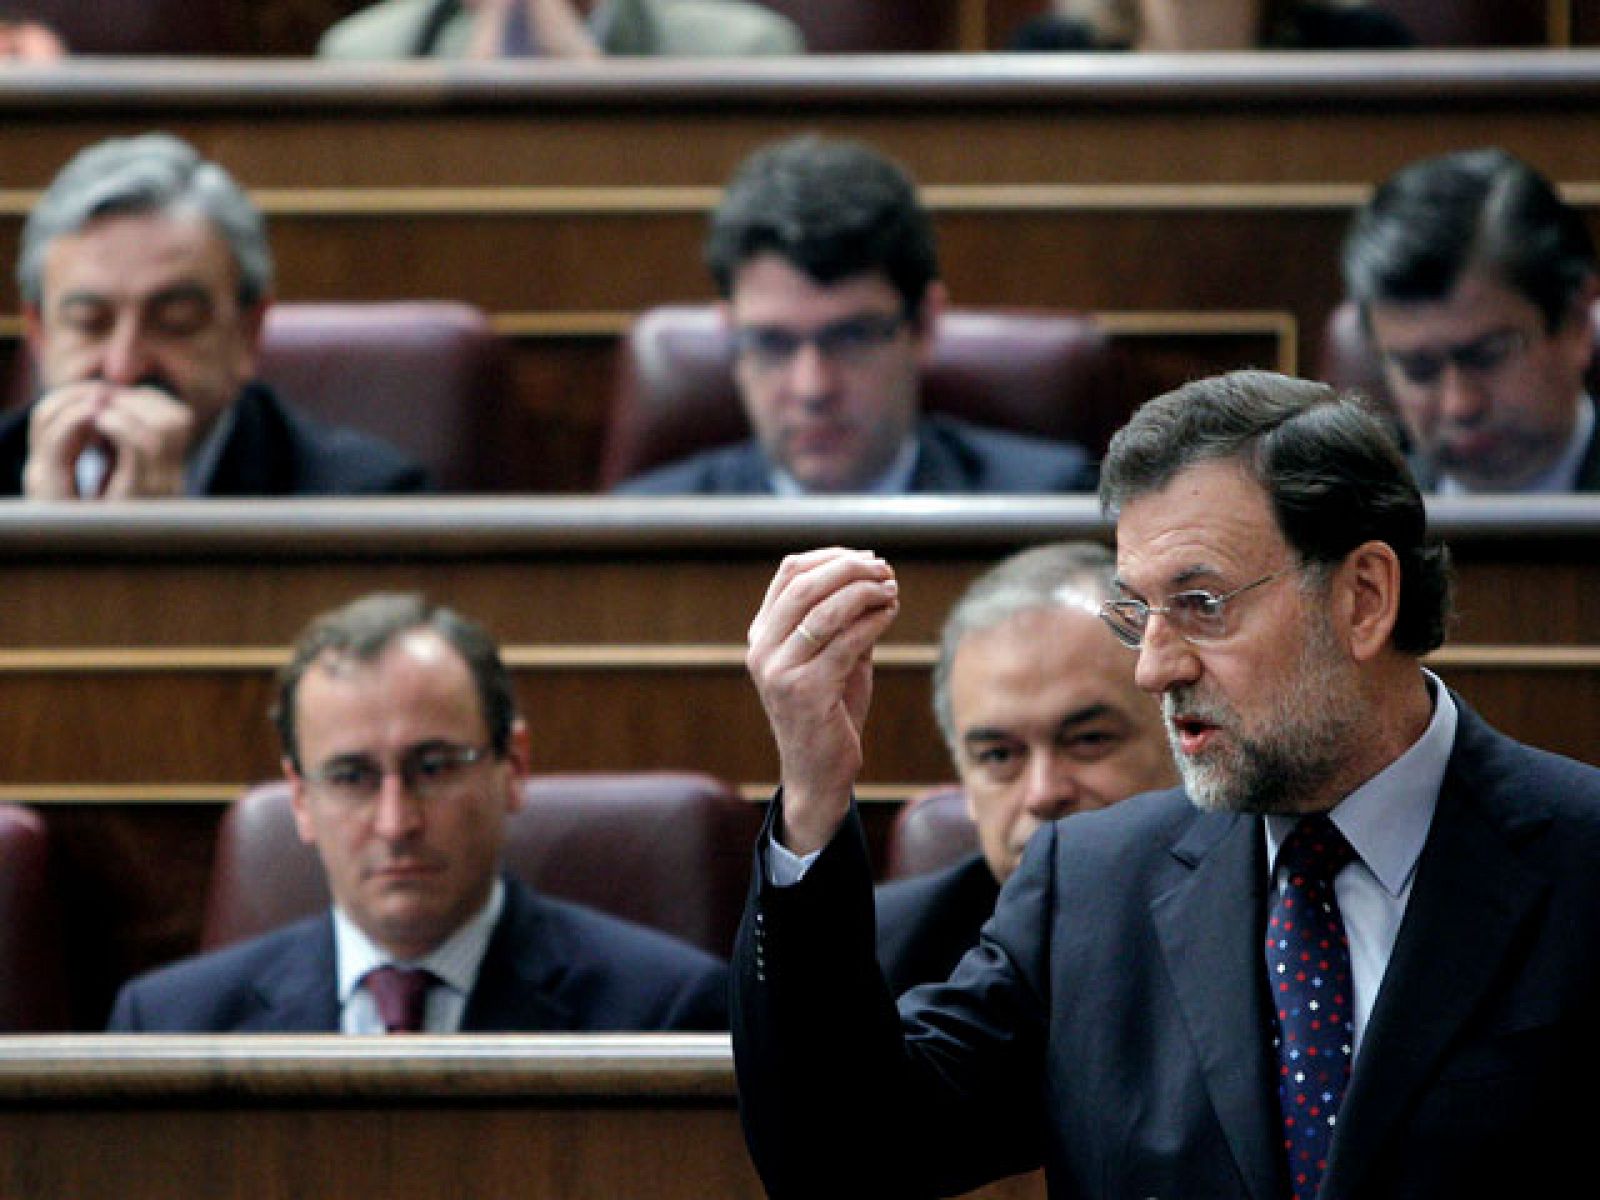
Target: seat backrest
x,y
1055,375
431,377
164,27
874,26
666,849
1470,22
33,992
930,831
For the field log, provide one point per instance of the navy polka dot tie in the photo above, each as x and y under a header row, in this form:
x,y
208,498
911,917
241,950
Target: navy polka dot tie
x,y
1308,964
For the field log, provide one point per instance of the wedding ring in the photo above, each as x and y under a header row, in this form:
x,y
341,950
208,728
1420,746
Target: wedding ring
x,y
808,635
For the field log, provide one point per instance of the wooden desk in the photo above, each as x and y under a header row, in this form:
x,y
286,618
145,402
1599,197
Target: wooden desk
x,y
564,1118
1198,203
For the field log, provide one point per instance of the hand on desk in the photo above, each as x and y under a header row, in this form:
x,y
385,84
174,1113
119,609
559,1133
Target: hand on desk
x,y
810,655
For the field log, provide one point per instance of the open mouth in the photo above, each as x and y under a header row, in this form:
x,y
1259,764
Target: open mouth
x,y
1192,733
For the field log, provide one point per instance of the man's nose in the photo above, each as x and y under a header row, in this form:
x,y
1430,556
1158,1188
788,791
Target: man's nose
x,y
1463,400
1165,658
812,373
125,357
1051,785
397,811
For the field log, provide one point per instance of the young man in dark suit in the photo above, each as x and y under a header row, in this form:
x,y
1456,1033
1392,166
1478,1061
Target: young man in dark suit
x,y
1357,951
406,756
826,263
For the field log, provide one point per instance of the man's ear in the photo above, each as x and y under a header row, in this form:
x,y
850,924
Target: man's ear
x,y
252,327
1368,598
925,321
299,802
33,330
519,760
1579,333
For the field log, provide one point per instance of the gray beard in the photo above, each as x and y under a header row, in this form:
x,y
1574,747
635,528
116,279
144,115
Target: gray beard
x,y
1276,776
1289,766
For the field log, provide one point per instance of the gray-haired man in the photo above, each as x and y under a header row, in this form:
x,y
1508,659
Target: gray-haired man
x,y
145,278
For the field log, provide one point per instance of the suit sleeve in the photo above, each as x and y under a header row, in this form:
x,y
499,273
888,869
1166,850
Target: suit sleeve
x,y
933,1097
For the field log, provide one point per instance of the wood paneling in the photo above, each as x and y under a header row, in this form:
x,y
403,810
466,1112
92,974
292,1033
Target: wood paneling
x,y
269,1118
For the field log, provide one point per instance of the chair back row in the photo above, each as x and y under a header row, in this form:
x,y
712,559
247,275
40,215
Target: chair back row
x,y
670,850
435,379
665,849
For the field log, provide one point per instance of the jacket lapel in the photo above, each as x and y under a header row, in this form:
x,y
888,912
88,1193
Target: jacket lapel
x,y
300,995
1471,896
1208,927
517,989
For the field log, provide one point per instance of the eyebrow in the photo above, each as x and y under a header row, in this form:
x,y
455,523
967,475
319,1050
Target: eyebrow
x,y
1078,716
183,290
1185,579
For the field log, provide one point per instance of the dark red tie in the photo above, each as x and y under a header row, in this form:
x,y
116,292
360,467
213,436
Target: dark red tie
x,y
401,994
1308,964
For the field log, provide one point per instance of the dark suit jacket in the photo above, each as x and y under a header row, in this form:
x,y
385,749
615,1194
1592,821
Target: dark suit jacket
x,y
1113,1024
952,456
927,922
273,449
550,967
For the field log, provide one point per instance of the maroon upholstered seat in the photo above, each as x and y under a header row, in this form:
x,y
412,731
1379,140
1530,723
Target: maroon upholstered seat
x,y
431,377
33,994
933,830
1470,22
665,849
137,26
874,26
1051,374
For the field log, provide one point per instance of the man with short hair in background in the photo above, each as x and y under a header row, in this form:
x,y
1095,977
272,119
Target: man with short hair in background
x,y
145,277
1043,719
1475,282
406,758
829,275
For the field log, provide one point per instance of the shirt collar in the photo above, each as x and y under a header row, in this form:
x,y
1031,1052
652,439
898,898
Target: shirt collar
x,y
454,962
1562,476
896,481
1386,819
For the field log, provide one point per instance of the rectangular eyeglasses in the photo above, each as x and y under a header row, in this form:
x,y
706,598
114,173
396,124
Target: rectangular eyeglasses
x,y
1196,616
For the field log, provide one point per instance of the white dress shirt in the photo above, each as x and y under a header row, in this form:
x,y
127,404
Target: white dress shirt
x,y
454,963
